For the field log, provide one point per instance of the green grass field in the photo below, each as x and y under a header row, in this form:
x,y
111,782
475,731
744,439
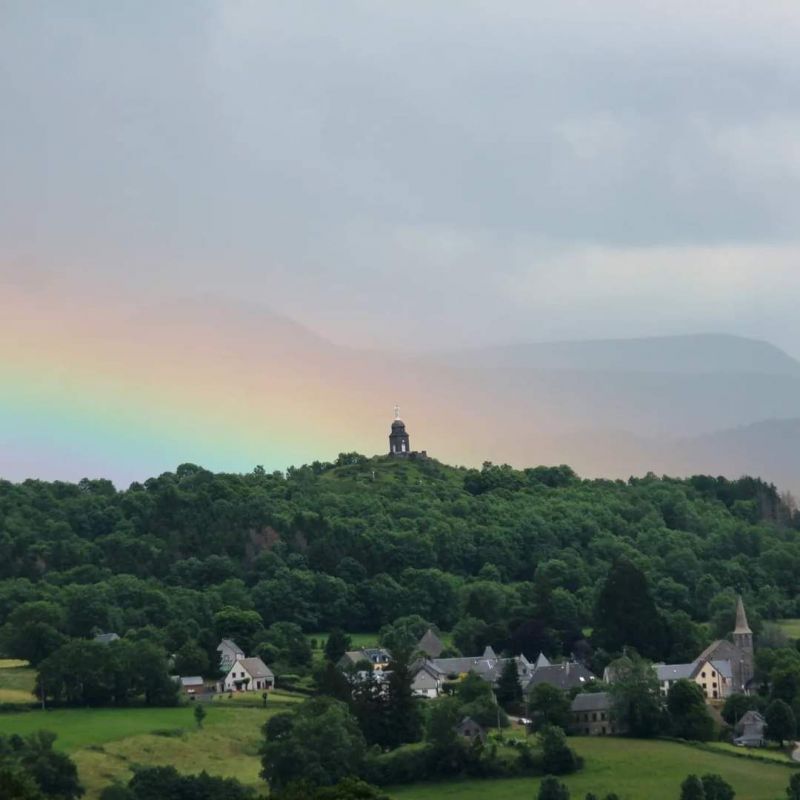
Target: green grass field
x,y
635,770
106,743
17,681
791,627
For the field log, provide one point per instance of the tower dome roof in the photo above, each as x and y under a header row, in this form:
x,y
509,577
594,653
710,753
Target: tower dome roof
x,y
398,423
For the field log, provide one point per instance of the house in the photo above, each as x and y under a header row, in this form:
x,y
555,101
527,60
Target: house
x,y
592,714
713,677
248,675
427,681
738,652
430,645
720,670
567,676
468,728
379,657
106,638
750,730
192,685
229,652
431,674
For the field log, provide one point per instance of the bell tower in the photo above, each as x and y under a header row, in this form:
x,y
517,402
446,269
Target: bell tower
x,y
398,439
743,639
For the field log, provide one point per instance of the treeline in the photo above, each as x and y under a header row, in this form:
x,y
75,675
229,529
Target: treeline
x,y
506,557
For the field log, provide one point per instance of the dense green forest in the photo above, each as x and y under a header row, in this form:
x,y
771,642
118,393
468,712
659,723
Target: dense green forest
x,y
501,556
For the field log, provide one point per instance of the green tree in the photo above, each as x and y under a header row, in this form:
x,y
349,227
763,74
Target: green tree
x,y
636,696
626,616
716,788
548,704
781,723
793,789
191,659
199,714
401,709
33,631
557,757
337,643
403,633
552,789
737,705
509,688
53,773
320,742
688,713
16,784
692,789
241,625
166,783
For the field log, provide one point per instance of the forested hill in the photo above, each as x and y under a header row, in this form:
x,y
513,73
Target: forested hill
x,y
512,557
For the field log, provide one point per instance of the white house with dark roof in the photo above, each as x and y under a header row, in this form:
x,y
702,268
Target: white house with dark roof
x,y
248,675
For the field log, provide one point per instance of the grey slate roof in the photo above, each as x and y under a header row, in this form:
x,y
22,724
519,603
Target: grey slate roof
x,y
256,667
231,645
106,638
192,680
430,644
570,675
375,655
674,672
592,701
542,661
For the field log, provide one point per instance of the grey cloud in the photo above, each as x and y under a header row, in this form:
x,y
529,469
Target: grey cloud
x,y
316,156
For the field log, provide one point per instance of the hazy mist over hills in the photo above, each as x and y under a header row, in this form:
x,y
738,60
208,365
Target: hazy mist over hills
x,y
239,233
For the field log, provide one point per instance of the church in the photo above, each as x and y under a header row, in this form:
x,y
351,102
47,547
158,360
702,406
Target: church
x,y
399,442
722,669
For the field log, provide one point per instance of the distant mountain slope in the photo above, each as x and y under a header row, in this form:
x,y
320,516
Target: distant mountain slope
x,y
703,353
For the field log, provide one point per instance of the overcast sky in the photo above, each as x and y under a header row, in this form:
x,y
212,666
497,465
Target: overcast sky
x,y
418,174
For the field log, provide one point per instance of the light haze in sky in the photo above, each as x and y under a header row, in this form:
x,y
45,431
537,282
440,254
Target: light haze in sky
x,y
412,174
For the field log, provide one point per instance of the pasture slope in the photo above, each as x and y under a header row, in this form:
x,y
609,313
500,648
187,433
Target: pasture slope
x,y
634,769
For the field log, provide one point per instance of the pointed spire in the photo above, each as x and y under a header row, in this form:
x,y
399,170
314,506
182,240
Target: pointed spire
x,y
741,618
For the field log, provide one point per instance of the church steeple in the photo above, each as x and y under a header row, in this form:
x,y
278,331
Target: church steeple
x,y
399,444
743,640
741,618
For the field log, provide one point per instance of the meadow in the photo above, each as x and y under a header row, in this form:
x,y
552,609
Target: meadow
x,y
791,627
17,681
634,769
107,743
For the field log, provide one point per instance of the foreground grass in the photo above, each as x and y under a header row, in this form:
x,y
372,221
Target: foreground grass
x,y
107,743
17,681
635,770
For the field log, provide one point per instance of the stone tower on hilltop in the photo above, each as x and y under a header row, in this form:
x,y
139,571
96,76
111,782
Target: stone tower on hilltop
x,y
399,443
743,639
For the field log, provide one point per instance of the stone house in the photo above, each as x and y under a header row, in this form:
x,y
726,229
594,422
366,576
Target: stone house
x,y
468,728
592,715
379,657
751,730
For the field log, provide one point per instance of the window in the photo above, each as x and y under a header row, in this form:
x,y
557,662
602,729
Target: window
x,y
603,716
702,674
594,717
